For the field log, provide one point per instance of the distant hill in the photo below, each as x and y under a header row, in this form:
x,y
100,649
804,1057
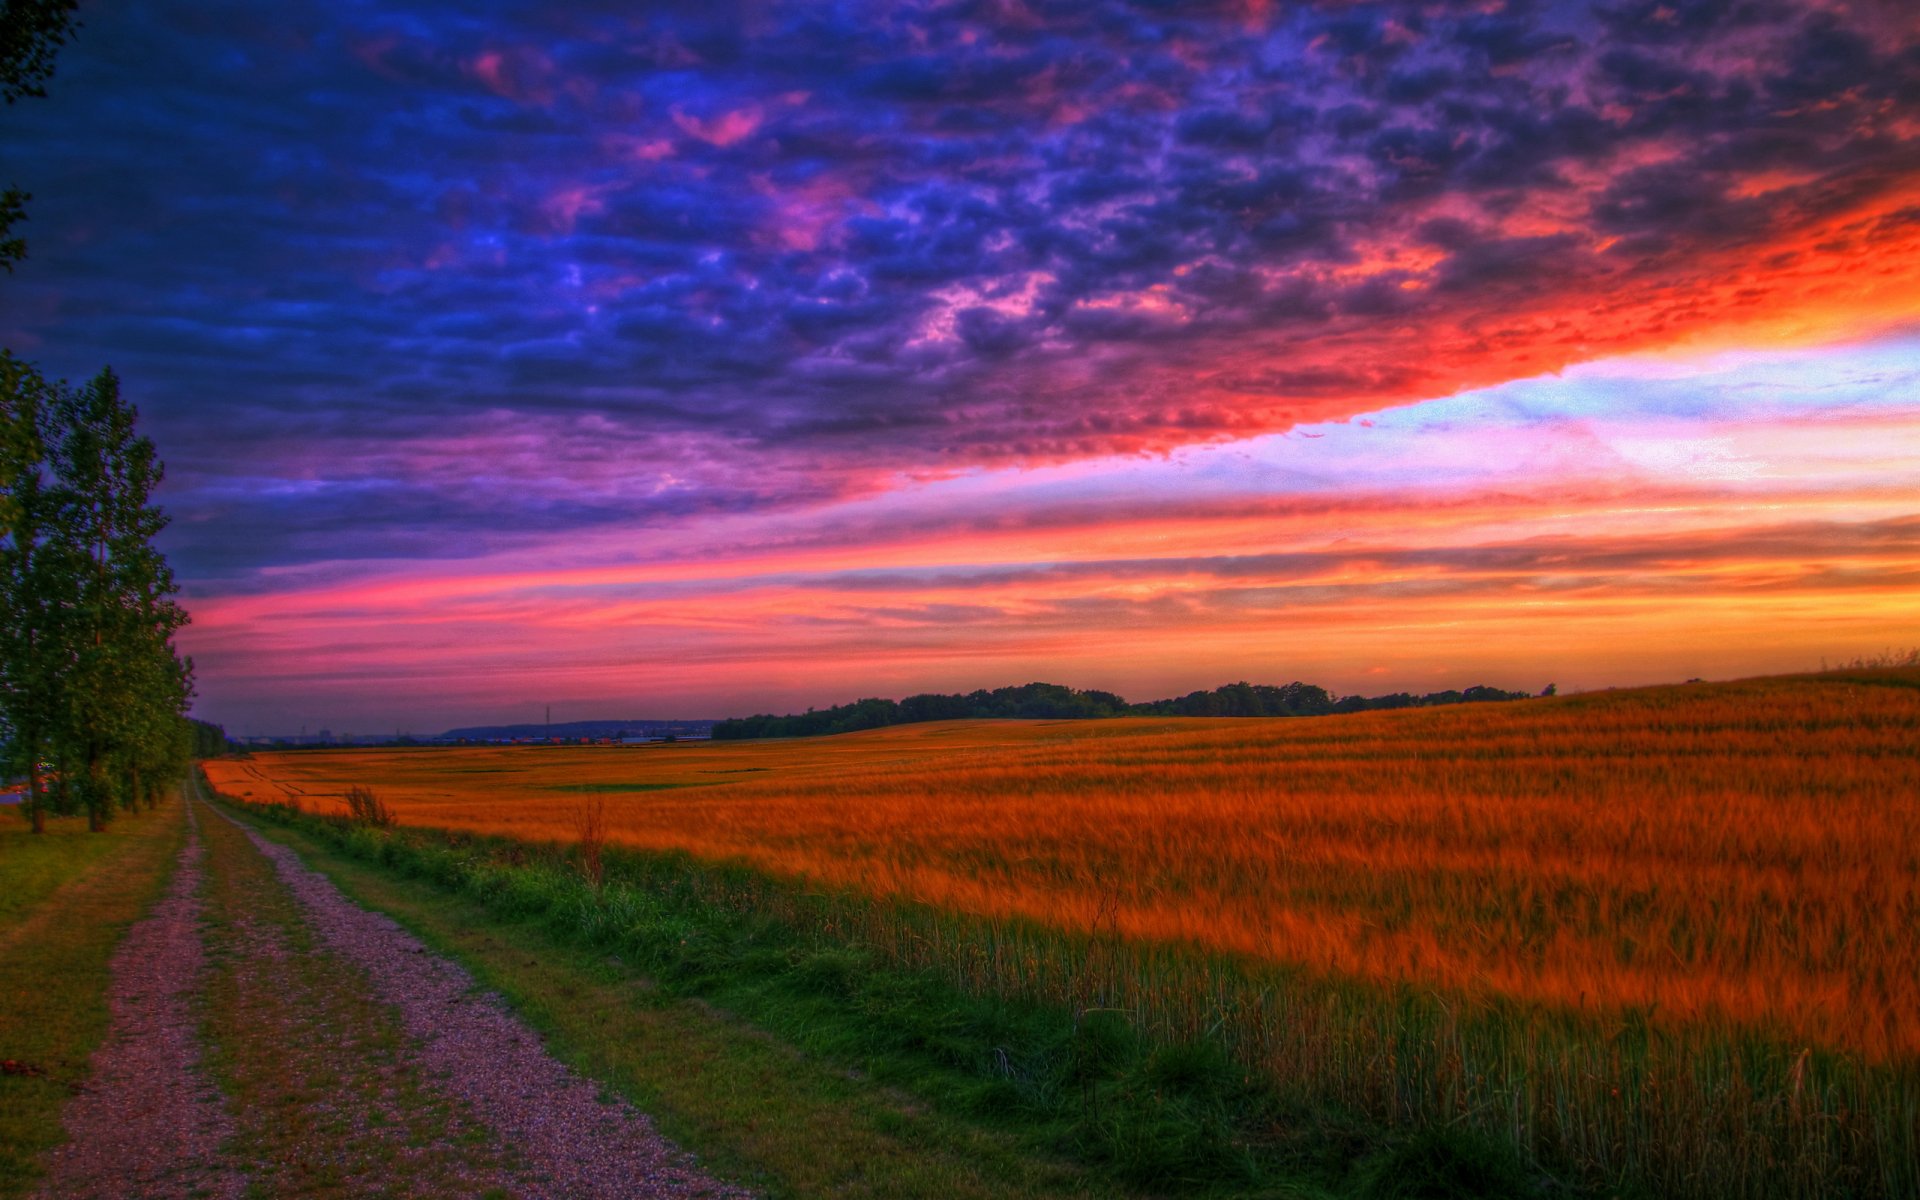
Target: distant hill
x,y
631,727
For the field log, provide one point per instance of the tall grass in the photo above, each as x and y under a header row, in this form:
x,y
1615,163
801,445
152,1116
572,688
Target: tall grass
x,y
365,808
1663,937
590,836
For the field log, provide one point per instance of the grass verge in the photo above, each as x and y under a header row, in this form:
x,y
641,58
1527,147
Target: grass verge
x,y
67,897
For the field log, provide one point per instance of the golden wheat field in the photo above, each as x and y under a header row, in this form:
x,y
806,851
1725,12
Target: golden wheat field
x,y
1744,853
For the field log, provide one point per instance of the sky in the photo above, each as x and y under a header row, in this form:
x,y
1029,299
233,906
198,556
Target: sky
x,y
701,359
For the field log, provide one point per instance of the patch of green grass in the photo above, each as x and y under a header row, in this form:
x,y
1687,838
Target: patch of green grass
x,y
67,897
32,866
1446,1164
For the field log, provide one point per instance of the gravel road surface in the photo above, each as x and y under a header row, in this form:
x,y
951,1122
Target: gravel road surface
x,y
151,1123
578,1140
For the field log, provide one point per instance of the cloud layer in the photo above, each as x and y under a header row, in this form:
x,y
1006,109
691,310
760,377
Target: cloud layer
x,y
463,281
475,266
1635,522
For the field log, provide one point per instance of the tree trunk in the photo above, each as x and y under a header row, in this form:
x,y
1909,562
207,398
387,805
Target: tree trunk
x,y
36,807
97,793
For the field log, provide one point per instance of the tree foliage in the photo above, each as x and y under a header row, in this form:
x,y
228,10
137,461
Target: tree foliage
x,y
90,680
210,740
1052,701
31,32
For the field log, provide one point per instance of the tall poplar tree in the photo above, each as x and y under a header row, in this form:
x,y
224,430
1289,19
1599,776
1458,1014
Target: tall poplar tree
x,y
123,678
89,675
30,590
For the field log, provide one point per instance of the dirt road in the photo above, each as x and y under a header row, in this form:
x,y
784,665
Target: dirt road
x,y
269,1037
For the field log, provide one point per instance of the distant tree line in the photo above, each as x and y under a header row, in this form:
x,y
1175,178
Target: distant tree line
x,y
93,694
210,740
1051,701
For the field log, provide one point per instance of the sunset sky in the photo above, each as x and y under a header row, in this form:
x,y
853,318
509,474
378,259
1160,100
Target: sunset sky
x,y
698,359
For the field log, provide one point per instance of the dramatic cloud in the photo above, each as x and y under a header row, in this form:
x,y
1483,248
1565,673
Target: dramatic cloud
x,y
446,281
1639,520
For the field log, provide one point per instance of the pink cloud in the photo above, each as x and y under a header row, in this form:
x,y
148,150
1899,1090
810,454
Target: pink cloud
x,y
638,149
802,215
521,74
722,130
565,206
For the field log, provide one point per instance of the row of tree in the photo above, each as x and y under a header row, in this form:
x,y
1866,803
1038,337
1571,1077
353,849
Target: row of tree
x,y
1051,701
93,694
210,740
1308,700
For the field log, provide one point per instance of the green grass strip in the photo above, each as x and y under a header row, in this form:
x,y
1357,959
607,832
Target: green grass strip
x,y
67,897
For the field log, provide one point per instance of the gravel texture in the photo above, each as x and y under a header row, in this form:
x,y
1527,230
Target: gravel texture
x,y
572,1141
149,1123
334,1107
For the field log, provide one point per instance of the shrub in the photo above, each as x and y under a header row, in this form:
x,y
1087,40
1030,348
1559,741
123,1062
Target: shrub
x,y
365,808
1445,1164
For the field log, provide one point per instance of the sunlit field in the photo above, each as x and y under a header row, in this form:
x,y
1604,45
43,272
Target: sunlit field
x,y
1702,896
1741,851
